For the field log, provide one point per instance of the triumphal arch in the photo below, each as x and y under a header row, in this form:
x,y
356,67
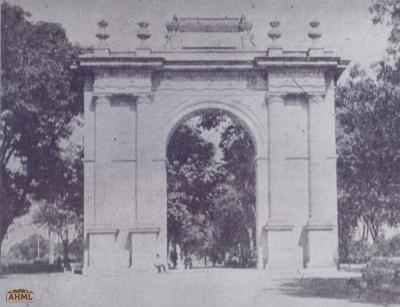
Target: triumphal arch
x,y
284,99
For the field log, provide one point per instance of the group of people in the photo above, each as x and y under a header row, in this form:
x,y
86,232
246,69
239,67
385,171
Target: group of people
x,y
160,266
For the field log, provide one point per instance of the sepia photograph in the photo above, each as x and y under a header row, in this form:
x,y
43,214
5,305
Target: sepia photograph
x,y
200,153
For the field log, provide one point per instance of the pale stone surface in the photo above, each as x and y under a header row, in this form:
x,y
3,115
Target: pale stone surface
x,y
133,104
198,288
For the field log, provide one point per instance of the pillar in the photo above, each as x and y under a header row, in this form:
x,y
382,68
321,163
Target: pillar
x,y
151,189
278,229
88,141
114,179
321,227
262,202
160,204
150,236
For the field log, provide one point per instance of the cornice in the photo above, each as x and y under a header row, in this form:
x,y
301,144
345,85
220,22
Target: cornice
x,y
209,60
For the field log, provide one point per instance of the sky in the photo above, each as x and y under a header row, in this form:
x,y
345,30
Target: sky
x,y
346,24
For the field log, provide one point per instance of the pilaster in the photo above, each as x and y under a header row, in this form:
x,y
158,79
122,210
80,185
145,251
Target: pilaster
x,y
262,209
321,227
276,146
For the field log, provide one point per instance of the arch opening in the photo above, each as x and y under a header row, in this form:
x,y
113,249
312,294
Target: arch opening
x,y
211,196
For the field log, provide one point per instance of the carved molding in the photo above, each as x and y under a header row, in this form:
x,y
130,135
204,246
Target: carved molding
x,y
314,224
102,230
306,158
144,229
296,81
278,225
120,99
283,97
275,97
123,161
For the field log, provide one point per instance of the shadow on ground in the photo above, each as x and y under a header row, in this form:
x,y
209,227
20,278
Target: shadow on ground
x,y
336,288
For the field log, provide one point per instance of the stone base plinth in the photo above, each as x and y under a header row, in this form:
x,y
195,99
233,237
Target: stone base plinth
x,y
113,251
282,248
322,245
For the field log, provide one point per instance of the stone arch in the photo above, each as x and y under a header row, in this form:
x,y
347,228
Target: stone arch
x,y
250,122
257,132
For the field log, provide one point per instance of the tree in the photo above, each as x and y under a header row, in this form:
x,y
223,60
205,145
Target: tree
x,y
191,179
27,249
368,143
235,197
211,201
368,117
39,99
63,213
388,12
239,154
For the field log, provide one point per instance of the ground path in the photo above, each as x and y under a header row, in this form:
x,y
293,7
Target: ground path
x,y
198,287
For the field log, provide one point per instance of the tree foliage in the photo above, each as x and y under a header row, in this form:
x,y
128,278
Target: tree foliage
x,y
191,179
368,115
211,202
39,99
27,249
388,12
368,121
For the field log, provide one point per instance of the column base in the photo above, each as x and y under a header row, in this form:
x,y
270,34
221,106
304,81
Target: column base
x,y
144,247
281,247
112,250
322,244
101,243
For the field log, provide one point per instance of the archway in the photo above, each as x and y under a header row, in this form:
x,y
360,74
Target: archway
x,y
211,202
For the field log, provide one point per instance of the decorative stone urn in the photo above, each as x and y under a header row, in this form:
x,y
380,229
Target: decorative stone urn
x,y
102,34
143,34
314,32
274,34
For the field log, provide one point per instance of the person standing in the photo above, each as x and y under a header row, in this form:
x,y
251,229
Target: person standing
x,y
188,262
174,258
159,265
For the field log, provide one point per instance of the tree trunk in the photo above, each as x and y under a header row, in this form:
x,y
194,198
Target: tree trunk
x,y
168,244
3,232
251,242
51,249
66,254
364,235
374,230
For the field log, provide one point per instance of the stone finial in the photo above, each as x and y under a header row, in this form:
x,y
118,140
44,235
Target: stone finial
x,y
102,34
143,34
314,32
274,34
